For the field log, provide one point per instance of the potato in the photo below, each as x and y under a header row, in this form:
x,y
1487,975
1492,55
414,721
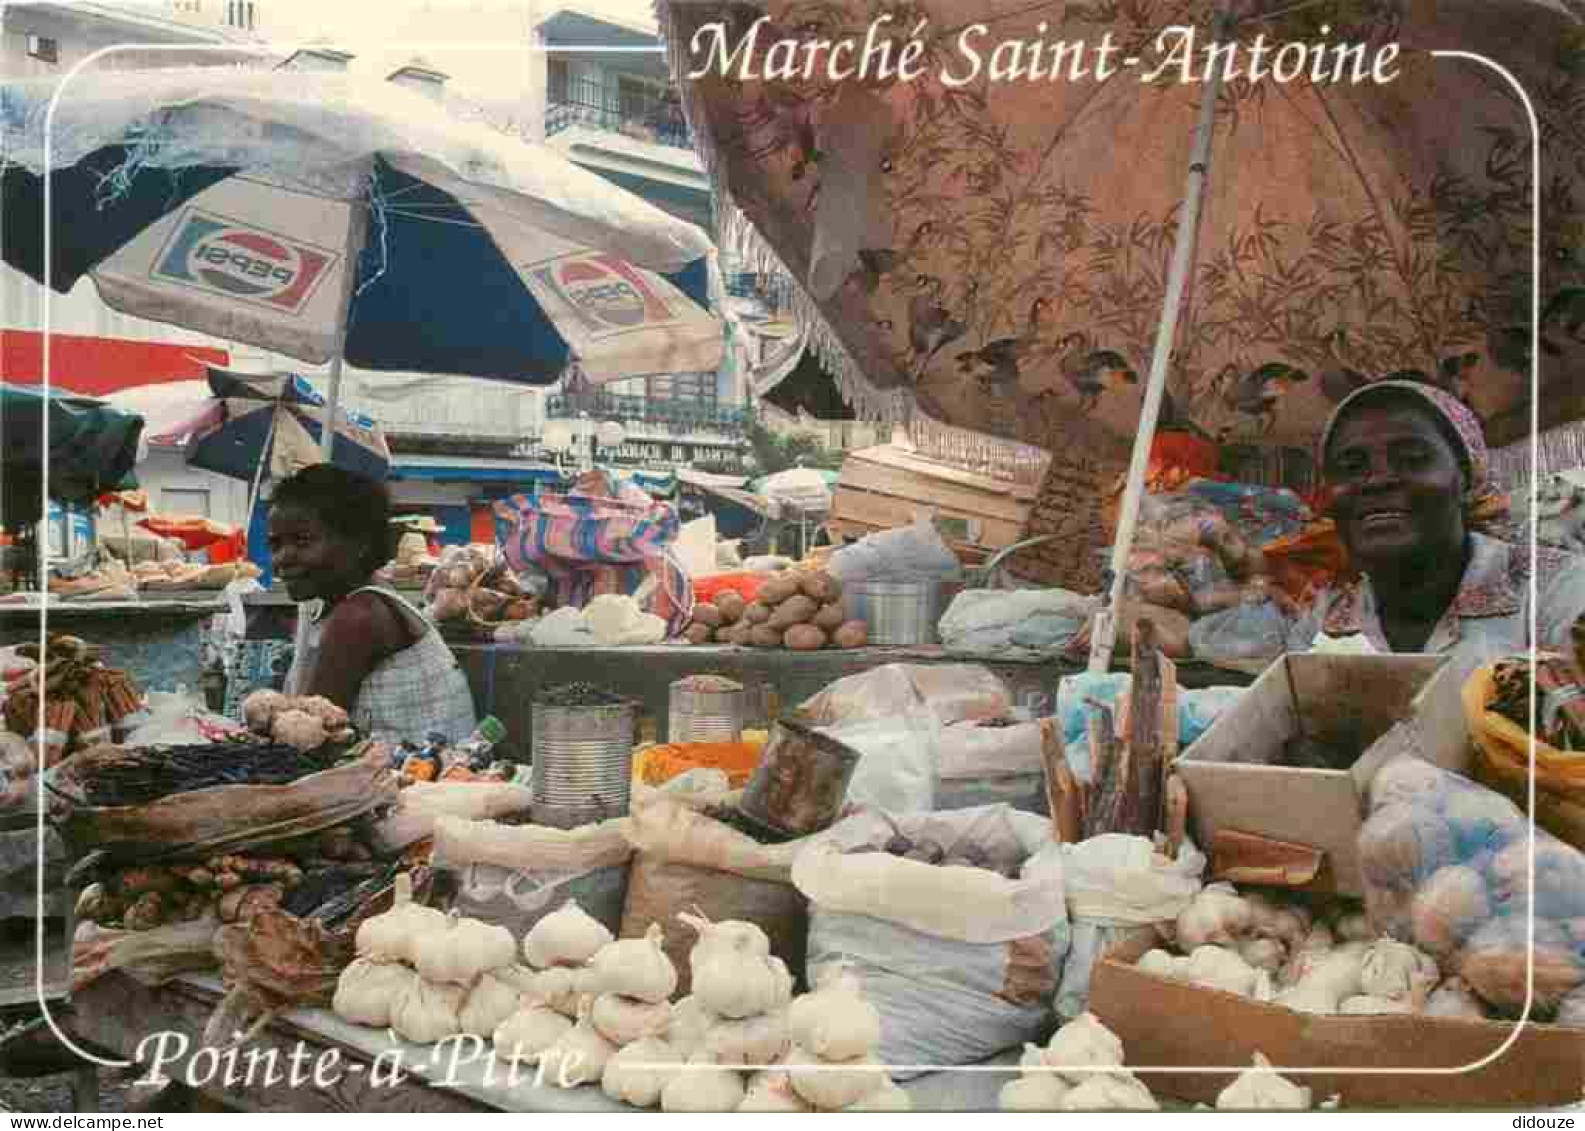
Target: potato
x,y
707,614
794,610
740,634
830,617
804,638
764,636
821,586
756,612
697,633
852,634
778,589
731,605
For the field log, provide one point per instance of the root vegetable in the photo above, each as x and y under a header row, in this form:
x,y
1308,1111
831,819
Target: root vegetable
x,y
366,990
1365,1005
703,1088
1217,915
491,1001
529,1032
829,618
777,590
390,936
835,1021
804,638
827,1086
1220,969
1450,906
1039,1091
568,936
794,610
820,586
749,1040
1119,1091
462,950
299,729
698,634
633,1075
330,715
1263,954
1493,963
622,1020
1083,1043
852,634
764,636
1454,998
772,1093
690,1021
146,912
260,708
1270,919
731,605
756,612
707,614
579,1057
636,968
1263,1090
1395,970
425,1013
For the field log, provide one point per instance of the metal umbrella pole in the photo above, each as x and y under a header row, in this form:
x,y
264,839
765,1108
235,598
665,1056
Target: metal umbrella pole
x,y
1105,635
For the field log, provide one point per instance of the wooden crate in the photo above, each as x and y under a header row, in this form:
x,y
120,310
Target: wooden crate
x,y
884,487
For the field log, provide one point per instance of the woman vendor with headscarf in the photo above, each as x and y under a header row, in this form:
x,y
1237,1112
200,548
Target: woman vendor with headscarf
x,y
1408,469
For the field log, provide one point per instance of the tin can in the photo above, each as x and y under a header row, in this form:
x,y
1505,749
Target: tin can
x,y
801,782
705,710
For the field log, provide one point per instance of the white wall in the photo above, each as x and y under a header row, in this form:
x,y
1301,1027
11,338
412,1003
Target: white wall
x,y
228,498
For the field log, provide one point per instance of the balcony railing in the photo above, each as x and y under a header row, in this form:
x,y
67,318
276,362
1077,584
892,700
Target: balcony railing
x,y
597,106
683,416
773,291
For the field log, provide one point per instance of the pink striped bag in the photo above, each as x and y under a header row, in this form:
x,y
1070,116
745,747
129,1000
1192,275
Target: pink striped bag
x,y
590,543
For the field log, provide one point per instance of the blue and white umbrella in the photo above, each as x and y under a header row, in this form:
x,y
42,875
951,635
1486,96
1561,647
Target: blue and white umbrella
x,y
273,424
328,217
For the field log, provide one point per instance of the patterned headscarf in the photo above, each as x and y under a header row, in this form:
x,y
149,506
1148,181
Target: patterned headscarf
x,y
1485,507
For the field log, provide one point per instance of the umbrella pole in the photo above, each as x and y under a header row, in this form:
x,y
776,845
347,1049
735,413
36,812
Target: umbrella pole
x,y
1105,633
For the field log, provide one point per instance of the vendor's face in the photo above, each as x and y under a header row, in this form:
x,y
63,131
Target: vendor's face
x,y
1398,487
312,559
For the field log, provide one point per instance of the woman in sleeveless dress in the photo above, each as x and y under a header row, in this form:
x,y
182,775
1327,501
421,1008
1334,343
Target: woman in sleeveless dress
x,y
370,651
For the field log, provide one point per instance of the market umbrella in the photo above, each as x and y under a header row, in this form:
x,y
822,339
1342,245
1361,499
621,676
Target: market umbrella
x,y
997,251
92,448
804,489
232,202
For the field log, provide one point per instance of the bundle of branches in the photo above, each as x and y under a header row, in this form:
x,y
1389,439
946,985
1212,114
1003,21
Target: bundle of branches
x,y
1560,713
83,699
130,775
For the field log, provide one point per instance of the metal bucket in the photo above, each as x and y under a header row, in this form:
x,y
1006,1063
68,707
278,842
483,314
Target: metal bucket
x,y
583,764
897,613
705,716
801,781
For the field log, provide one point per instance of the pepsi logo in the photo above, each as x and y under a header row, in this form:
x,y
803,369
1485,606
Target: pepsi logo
x,y
219,255
602,294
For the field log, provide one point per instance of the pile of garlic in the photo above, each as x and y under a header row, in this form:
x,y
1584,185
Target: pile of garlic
x,y
555,951
428,975
1277,952
1080,1069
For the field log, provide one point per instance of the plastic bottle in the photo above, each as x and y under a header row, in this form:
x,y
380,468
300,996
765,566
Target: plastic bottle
x,y
474,752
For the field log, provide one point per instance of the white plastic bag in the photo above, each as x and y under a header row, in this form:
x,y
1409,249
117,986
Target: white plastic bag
x,y
951,692
899,760
986,621
1116,883
982,764
960,962
907,553
173,720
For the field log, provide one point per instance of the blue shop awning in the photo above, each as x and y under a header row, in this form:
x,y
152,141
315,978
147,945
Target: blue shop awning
x,y
449,469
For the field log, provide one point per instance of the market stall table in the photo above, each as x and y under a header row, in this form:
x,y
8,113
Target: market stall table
x,y
122,1017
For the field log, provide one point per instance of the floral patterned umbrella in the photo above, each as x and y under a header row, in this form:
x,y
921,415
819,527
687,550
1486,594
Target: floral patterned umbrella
x,y
993,249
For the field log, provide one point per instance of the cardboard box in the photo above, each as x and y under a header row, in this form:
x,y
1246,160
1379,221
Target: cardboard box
x,y
1347,701
1167,1024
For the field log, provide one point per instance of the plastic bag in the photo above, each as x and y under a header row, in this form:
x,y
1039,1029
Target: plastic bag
x,y
1115,885
960,962
952,692
995,622
1197,710
907,553
984,765
515,875
1446,865
177,718
899,760
1247,631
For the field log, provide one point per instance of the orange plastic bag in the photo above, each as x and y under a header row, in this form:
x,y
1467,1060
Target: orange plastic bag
x,y
1302,564
746,584
1502,762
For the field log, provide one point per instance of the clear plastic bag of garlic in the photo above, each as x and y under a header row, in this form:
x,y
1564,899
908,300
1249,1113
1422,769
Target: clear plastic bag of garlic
x,y
1080,1069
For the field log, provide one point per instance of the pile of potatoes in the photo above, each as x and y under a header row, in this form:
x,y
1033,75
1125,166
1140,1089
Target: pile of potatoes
x,y
799,611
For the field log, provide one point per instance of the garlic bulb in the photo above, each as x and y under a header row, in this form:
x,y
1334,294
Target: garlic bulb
x,y
831,1089
1355,927
1039,1091
1263,953
732,935
1033,1057
702,1088
389,937
1161,964
557,988
579,1057
1219,969
733,973
835,1022
636,968
366,989
568,936
1396,970
772,1093
622,1020
1287,923
1261,1089
1083,1043
634,1075
490,1002
1115,1091
529,1032
690,1021
1367,1004
888,1097
463,950
1454,998
752,1040
426,1012
1217,915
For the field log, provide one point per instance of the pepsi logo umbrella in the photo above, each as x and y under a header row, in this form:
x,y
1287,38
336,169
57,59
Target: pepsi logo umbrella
x,y
327,217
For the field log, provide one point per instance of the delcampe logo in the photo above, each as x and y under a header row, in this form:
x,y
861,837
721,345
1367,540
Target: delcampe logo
x,y
223,256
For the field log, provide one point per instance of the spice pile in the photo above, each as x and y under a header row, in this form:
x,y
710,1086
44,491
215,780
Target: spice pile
x,y
85,702
801,612
577,695
133,775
